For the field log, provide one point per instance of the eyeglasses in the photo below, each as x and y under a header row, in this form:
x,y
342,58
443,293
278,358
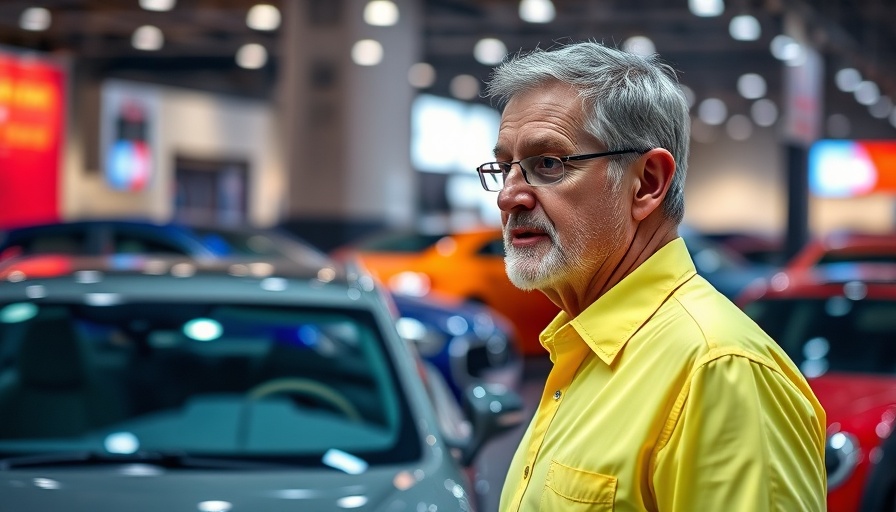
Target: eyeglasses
x,y
537,170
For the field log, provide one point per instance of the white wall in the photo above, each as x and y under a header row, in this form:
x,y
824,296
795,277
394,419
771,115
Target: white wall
x,y
190,124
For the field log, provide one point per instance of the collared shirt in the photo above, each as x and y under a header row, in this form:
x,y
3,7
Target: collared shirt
x,y
664,396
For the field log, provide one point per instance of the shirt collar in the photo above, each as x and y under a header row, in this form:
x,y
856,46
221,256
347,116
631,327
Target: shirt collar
x,y
608,323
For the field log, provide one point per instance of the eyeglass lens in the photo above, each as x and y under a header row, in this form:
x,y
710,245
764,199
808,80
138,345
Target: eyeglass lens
x,y
537,170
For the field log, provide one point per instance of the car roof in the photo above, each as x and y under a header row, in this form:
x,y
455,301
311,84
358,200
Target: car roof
x,y
857,280
135,278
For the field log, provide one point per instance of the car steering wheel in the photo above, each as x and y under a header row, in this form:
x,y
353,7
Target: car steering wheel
x,y
307,387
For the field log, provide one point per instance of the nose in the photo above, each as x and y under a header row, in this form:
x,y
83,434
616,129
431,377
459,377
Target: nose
x,y
516,194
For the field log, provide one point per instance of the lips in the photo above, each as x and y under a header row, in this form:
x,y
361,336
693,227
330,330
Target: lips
x,y
527,236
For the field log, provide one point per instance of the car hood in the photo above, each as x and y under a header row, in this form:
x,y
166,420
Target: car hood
x,y
148,488
847,397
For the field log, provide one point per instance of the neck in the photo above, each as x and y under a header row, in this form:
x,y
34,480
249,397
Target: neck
x,y
646,238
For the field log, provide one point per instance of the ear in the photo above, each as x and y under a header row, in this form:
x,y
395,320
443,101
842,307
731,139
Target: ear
x,y
652,179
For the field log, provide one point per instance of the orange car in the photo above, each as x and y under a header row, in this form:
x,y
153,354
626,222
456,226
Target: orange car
x,y
467,265
846,247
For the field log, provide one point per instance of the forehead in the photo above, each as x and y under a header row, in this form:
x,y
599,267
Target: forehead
x,y
546,117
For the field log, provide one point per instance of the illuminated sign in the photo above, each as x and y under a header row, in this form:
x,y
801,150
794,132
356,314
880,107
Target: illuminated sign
x,y
851,168
127,134
32,106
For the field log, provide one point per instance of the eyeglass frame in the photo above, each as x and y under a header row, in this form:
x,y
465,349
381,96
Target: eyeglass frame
x,y
562,159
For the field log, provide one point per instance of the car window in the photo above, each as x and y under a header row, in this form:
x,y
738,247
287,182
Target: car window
x,y
135,243
857,257
399,242
218,380
834,334
49,243
493,248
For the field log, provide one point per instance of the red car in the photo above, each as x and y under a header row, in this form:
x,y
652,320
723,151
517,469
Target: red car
x,y
838,324
846,247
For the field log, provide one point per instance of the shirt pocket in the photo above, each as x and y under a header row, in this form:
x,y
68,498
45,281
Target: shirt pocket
x,y
576,490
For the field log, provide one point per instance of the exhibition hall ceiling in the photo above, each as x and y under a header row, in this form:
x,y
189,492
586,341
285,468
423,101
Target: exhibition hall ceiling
x,y
201,38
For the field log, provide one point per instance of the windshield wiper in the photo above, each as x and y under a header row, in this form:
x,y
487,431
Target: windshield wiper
x,y
171,460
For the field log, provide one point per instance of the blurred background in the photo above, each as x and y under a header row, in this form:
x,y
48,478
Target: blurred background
x,y
336,118
354,127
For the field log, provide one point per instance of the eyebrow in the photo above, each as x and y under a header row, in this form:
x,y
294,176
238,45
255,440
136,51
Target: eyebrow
x,y
540,145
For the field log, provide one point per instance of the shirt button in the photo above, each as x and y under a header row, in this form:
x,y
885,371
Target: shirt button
x,y
526,472
557,395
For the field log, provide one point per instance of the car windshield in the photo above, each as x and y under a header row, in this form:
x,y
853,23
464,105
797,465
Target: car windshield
x,y
213,380
833,334
399,242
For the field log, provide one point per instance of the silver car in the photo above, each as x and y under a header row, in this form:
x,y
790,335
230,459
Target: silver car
x,y
149,384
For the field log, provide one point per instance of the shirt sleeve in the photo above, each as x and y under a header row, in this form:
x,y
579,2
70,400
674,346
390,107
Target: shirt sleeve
x,y
745,439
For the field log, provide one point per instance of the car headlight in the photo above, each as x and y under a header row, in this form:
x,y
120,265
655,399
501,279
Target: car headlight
x,y
415,284
841,456
429,341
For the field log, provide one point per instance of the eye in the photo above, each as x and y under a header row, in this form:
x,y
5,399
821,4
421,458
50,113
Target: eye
x,y
547,166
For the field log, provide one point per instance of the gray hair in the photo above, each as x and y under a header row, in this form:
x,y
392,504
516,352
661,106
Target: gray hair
x,y
630,101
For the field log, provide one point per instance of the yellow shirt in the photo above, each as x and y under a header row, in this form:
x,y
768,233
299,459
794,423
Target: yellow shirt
x,y
663,396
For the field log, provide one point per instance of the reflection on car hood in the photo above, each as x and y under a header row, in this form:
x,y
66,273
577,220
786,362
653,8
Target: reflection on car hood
x,y
847,397
148,488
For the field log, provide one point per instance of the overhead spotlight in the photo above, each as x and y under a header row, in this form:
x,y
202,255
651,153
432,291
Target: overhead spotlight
x,y
381,13
639,45
785,48
712,111
744,28
367,52
739,127
751,86
157,5
867,93
489,51
764,112
252,56
263,17
847,79
706,8
689,95
422,75
881,108
35,19
148,38
464,87
537,11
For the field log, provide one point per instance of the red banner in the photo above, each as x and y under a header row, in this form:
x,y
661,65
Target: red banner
x,y
32,106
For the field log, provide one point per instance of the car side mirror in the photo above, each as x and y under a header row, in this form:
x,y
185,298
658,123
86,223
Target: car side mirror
x,y
492,409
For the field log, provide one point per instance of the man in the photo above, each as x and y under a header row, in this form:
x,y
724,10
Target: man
x,y
662,395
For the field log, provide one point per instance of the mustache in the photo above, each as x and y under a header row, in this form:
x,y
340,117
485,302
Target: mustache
x,y
529,220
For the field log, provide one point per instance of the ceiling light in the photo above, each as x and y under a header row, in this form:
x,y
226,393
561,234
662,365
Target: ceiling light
x,y
847,79
712,111
464,87
881,108
381,13
764,112
251,56
367,52
537,11
422,75
867,93
263,17
783,47
157,5
706,8
744,28
35,19
489,51
147,38
739,127
751,86
639,45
